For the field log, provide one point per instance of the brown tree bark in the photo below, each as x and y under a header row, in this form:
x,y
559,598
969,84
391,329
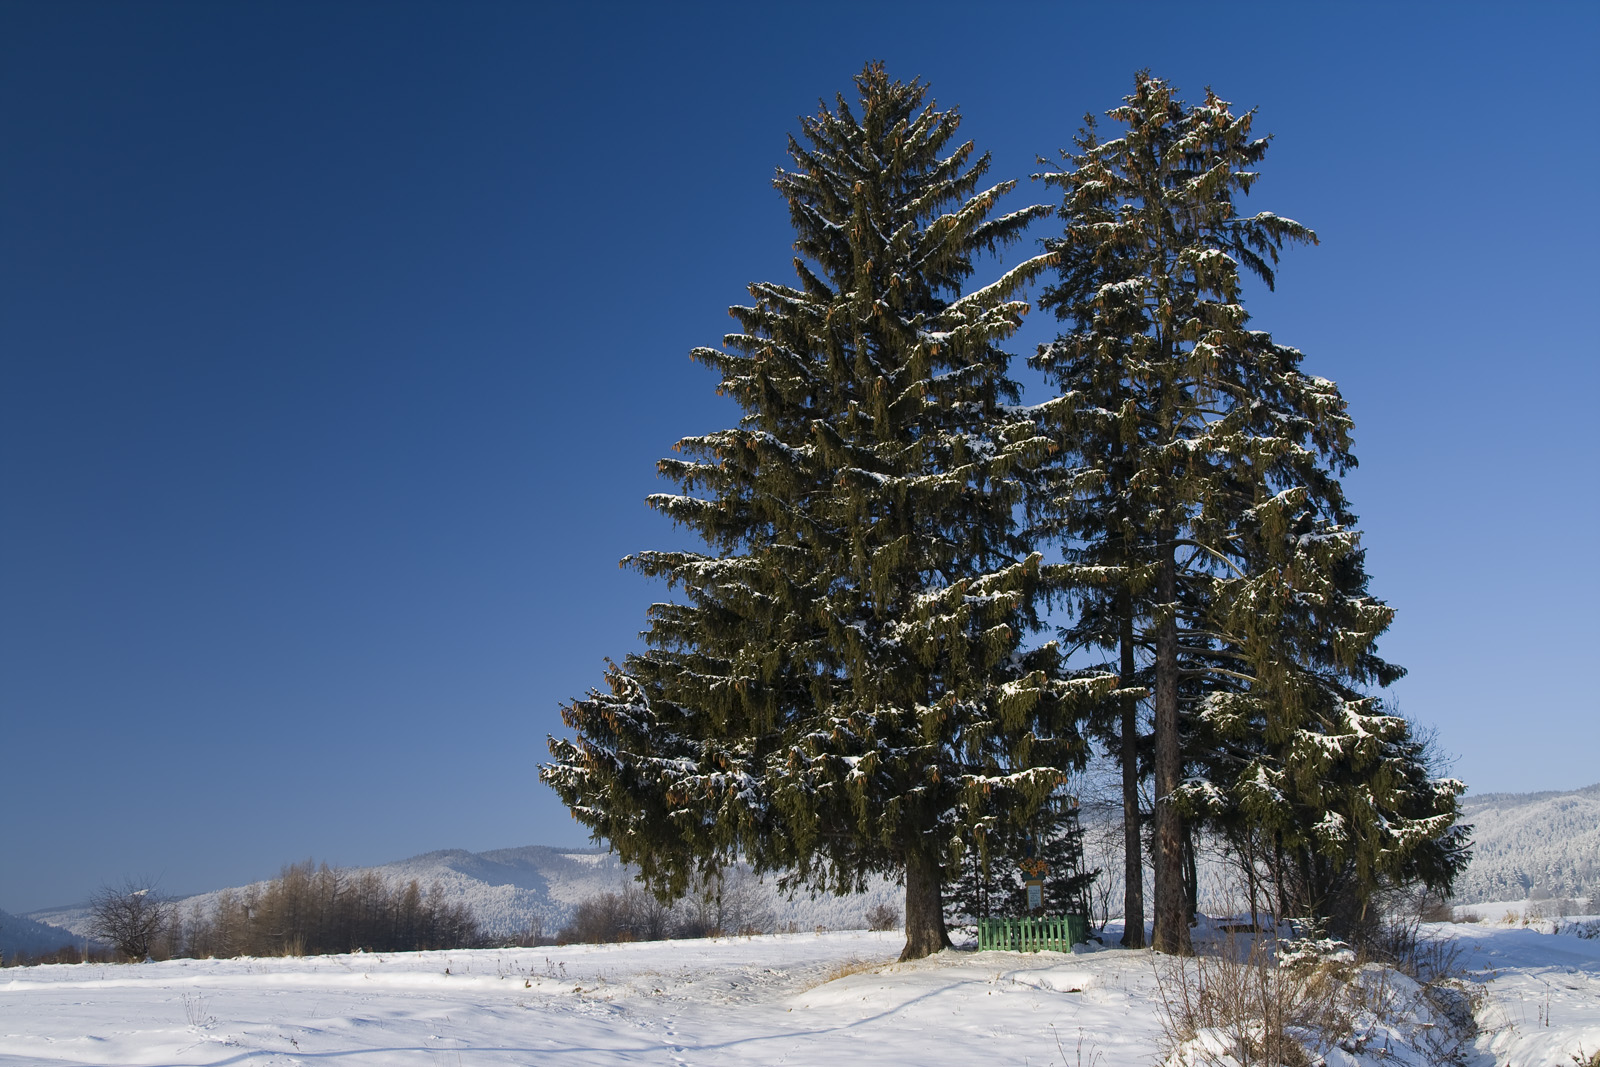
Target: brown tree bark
x,y
1172,920
1132,840
925,929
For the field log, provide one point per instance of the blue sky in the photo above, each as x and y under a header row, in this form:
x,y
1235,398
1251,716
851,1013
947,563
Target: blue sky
x,y
338,342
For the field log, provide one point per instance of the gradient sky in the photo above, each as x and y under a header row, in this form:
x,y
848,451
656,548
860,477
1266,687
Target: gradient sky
x,y
338,342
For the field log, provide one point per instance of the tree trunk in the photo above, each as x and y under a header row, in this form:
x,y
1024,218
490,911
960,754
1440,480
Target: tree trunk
x,y
1191,876
1172,920
1250,876
925,930
1132,840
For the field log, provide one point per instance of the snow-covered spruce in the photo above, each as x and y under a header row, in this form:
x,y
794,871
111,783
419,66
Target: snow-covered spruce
x,y
845,686
1209,544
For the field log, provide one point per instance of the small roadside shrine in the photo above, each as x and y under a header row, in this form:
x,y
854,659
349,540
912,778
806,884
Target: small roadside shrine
x,y
1030,891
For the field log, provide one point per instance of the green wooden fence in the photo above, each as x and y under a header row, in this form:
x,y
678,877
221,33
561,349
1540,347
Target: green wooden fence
x,y
1054,933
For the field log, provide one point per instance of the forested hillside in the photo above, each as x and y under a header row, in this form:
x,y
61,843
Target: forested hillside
x,y
22,935
1532,845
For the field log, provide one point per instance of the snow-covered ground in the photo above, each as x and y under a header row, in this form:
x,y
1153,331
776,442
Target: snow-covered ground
x,y
1543,1004
779,999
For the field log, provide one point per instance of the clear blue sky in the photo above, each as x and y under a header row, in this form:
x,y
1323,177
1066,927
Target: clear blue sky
x,y
338,342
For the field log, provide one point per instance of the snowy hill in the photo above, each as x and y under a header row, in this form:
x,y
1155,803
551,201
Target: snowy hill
x,y
1535,845
19,934
1527,844
511,889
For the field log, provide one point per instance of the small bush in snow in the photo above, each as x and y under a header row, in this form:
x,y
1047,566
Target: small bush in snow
x,y
130,918
1292,1003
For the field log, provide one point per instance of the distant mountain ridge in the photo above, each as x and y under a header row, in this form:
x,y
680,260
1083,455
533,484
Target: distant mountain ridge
x,y
1526,845
510,890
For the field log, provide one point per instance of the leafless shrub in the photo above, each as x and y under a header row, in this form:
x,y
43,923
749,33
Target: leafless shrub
x,y
883,916
194,1010
1219,1009
130,918
599,920
729,901
1435,909
1292,1004
634,914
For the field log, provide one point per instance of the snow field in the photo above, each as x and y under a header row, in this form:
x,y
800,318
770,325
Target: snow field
x,y
776,999
763,1000
1543,1004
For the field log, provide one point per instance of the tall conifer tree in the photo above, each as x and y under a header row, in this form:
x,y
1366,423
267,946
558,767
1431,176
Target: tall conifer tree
x,y
1306,773
1201,459
1089,500
846,682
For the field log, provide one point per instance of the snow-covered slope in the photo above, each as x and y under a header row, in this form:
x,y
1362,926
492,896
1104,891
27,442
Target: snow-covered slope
x,y
1540,845
1532,844
513,889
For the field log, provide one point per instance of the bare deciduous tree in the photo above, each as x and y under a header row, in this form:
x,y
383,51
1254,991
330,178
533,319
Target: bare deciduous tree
x,y
130,918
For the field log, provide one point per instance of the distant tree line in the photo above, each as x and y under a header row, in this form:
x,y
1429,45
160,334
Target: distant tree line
x,y
65,954
726,904
307,910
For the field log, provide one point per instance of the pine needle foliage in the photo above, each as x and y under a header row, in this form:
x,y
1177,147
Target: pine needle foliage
x,y
1199,501
846,684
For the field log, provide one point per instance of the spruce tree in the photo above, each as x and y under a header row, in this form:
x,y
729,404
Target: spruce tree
x,y
1303,770
1190,440
846,681
1088,499
992,878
